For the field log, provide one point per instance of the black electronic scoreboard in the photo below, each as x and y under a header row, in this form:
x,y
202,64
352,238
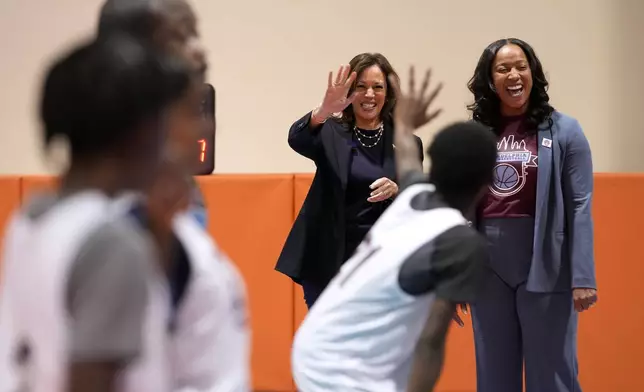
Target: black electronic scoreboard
x,y
205,143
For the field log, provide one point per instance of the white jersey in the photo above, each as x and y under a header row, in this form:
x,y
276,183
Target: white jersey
x,y
210,345
39,333
361,333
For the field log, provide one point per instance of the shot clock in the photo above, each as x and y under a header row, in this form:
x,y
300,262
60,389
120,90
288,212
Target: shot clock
x,y
205,143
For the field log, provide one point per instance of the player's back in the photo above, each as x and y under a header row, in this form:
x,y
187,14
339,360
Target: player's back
x,y
210,346
47,273
361,333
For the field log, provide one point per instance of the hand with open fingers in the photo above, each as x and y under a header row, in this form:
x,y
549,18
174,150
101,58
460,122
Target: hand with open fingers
x,y
382,189
584,299
337,98
412,108
457,318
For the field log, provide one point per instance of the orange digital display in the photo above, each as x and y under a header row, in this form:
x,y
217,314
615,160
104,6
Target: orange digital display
x,y
203,144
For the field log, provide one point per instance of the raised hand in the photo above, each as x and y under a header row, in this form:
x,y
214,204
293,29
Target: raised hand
x,y
411,113
336,99
412,108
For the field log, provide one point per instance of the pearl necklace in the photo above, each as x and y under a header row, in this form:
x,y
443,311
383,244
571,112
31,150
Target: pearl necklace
x,y
377,136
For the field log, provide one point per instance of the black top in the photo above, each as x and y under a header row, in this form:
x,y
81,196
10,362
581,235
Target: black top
x,y
365,168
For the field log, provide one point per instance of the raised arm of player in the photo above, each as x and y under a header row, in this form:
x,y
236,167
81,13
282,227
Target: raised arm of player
x,y
457,259
411,113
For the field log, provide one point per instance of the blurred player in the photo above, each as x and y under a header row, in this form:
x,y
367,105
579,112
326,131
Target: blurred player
x,y
210,336
383,328
85,300
171,25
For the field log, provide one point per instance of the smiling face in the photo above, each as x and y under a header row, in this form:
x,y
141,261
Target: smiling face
x,y
512,79
371,88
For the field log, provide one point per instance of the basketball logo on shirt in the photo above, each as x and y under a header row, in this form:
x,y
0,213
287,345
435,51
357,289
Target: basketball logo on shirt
x,y
512,162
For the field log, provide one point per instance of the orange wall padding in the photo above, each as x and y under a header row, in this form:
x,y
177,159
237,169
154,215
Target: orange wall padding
x,y
251,215
9,199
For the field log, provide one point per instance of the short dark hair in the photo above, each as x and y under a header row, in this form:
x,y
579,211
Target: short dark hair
x,y
486,107
100,93
139,18
462,157
360,63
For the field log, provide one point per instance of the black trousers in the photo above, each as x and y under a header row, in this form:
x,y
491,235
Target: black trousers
x,y
313,289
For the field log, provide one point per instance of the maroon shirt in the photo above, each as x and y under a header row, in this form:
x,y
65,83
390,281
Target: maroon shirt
x,y
513,192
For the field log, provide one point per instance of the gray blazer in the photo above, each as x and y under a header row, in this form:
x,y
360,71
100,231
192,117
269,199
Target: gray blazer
x,y
563,256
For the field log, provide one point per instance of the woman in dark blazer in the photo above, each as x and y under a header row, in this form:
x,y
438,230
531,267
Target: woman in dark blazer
x,y
349,136
537,219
